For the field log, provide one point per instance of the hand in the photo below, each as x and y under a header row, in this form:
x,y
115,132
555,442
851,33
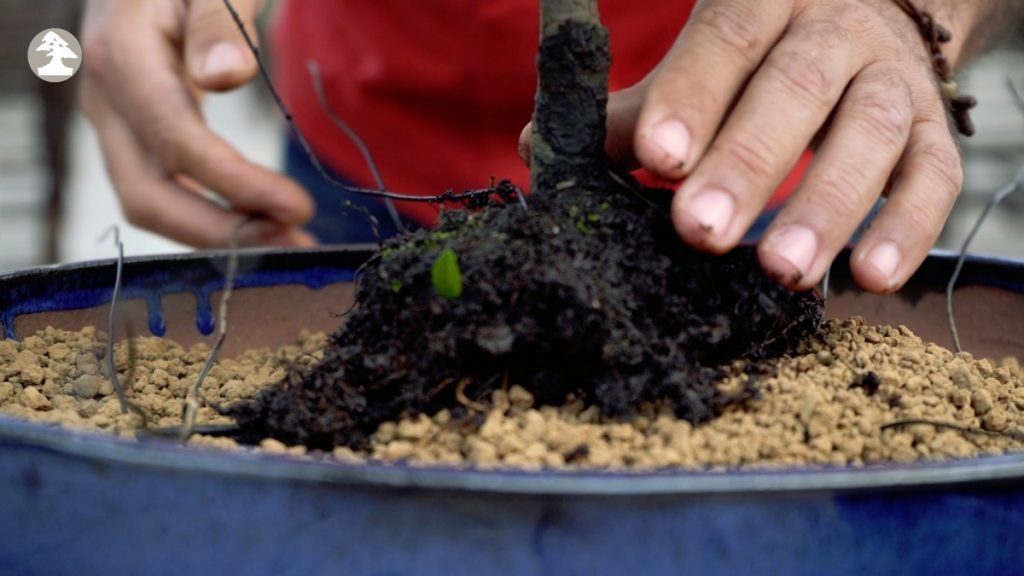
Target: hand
x,y
146,67
750,85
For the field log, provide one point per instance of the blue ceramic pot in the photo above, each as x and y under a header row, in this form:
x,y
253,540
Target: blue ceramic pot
x,y
81,503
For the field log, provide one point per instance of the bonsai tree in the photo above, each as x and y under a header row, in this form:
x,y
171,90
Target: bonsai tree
x,y
586,291
57,49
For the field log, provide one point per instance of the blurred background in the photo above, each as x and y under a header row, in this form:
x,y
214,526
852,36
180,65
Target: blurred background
x,y
56,201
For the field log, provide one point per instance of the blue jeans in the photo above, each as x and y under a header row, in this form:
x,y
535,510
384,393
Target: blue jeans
x,y
333,223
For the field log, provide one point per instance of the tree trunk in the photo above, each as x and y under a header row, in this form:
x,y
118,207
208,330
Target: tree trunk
x,y
567,149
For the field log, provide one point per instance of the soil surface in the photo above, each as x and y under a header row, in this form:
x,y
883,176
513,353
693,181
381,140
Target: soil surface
x,y
828,404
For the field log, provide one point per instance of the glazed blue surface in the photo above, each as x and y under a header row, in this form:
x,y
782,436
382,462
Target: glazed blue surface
x,y
86,286
67,513
76,503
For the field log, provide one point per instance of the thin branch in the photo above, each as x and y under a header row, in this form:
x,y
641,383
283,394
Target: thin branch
x,y
996,200
115,300
365,213
1013,434
193,400
448,196
364,150
112,317
1018,100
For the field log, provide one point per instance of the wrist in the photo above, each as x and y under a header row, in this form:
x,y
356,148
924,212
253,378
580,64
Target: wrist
x,y
972,25
946,51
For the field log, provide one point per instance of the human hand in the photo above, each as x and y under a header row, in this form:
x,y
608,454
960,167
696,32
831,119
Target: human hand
x,y
749,85
146,67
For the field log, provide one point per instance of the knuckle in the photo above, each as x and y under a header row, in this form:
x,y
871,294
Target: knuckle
x,y
206,14
835,194
827,33
170,147
921,215
732,25
857,18
139,214
802,76
209,22
942,169
884,114
751,153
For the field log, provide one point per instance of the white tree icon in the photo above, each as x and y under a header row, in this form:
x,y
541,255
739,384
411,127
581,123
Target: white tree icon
x,y
58,49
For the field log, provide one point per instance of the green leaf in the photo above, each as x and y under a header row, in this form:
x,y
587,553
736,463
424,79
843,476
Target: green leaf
x,y
446,276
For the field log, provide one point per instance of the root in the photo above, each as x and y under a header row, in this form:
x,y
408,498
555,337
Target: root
x,y
193,399
115,300
1015,435
996,200
460,395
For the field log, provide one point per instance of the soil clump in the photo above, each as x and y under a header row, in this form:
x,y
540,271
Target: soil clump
x,y
588,293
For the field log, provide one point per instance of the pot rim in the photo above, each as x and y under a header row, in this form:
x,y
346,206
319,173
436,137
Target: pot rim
x,y
100,448
164,455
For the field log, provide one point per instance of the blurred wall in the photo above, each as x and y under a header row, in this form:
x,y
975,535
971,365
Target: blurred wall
x,y
992,157
33,149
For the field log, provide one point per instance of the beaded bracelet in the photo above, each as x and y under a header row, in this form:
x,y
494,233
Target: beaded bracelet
x,y
935,35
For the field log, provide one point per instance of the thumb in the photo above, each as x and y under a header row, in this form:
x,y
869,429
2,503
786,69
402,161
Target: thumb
x,y
623,111
216,55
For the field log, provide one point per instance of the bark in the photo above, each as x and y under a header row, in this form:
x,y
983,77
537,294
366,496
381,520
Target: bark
x,y
567,149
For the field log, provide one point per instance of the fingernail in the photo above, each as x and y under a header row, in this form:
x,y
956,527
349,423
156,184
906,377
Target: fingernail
x,y
223,58
674,140
886,259
798,246
713,210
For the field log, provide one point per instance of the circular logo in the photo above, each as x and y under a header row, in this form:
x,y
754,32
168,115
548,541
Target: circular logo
x,y
55,55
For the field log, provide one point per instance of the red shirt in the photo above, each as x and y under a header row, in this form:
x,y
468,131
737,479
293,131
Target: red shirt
x,y
439,90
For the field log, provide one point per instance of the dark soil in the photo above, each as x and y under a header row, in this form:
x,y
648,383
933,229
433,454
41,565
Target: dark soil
x,y
588,291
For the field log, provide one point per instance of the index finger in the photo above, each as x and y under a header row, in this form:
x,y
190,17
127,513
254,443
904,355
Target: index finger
x,y
153,96
697,82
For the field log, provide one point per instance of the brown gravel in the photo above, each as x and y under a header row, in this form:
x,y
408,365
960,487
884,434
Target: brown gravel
x,y
58,376
827,405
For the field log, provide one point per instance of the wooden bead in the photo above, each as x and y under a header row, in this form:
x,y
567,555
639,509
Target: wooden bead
x,y
950,89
